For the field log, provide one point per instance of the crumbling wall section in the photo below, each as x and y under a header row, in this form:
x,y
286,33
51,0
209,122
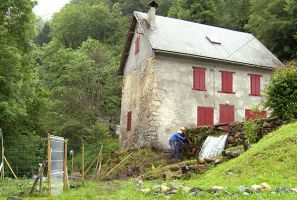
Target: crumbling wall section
x,y
140,97
147,122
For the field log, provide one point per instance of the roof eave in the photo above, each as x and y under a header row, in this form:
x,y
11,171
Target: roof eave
x,y
210,58
127,47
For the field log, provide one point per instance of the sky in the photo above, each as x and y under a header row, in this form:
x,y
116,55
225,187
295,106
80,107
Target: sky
x,y
46,8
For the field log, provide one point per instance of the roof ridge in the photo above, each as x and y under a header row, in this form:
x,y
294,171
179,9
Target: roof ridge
x,y
191,22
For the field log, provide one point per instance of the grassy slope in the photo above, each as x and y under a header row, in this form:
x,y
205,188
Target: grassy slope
x,y
272,160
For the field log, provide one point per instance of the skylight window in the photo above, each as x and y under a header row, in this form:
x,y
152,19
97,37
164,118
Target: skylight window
x,y
213,40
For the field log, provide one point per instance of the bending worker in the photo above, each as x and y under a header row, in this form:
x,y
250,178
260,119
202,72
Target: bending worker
x,y
176,143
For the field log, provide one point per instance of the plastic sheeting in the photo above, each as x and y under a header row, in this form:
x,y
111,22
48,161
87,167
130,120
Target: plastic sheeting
x,y
213,146
56,164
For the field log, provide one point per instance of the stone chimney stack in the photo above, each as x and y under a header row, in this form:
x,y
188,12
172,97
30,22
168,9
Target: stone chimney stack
x,y
151,14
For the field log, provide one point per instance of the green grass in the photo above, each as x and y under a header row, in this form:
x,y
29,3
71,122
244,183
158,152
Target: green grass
x,y
272,160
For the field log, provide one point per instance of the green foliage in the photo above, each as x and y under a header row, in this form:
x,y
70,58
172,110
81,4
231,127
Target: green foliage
x,y
251,130
78,21
272,160
84,89
44,35
194,10
274,23
128,6
233,14
199,134
22,102
281,92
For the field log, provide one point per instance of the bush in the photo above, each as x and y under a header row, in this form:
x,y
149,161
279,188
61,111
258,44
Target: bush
x,y
251,130
281,92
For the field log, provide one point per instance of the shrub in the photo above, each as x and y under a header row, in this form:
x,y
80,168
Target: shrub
x,y
251,130
281,92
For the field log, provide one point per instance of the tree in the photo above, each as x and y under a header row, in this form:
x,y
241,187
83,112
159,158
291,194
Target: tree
x,y
84,87
129,6
233,14
281,92
79,20
274,23
44,35
21,101
195,10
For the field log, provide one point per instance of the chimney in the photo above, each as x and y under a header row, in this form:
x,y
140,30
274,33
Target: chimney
x,y
151,14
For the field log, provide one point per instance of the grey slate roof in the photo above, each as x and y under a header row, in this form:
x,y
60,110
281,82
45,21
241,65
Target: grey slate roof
x,y
179,36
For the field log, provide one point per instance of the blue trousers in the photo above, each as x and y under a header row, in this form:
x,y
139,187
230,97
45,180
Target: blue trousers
x,y
175,148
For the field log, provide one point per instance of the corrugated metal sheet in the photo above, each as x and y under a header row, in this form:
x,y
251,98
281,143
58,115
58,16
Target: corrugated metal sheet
x,y
190,38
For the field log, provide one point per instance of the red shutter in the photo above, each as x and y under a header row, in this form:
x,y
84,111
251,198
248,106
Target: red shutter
x,y
227,82
250,115
137,45
226,114
129,120
255,84
205,116
199,78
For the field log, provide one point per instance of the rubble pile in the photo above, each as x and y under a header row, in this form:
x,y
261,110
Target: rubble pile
x,y
235,130
168,190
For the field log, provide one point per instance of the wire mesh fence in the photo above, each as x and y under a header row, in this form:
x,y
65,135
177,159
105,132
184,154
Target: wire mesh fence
x,y
25,159
22,158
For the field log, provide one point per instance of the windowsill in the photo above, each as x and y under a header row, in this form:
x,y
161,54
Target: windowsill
x,y
199,90
226,92
253,95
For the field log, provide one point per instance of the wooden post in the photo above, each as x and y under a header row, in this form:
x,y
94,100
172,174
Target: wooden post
x,y
40,183
2,156
119,164
98,168
72,165
10,168
65,186
83,164
49,163
39,177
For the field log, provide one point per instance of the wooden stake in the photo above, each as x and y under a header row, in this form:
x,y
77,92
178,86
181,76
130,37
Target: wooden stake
x,y
49,163
83,164
40,183
40,172
100,162
65,186
10,168
97,156
119,164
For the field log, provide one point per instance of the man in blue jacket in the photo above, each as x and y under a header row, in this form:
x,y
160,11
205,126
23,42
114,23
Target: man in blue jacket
x,y
176,143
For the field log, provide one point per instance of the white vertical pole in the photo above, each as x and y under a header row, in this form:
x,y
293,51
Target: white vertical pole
x,y
2,156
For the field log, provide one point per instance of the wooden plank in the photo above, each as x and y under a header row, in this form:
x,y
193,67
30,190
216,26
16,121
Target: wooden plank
x,y
65,186
119,164
83,164
10,168
40,172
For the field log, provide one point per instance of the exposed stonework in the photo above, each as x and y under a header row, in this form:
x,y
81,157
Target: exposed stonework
x,y
143,106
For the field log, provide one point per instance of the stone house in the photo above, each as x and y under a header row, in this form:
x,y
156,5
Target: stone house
x,y
179,73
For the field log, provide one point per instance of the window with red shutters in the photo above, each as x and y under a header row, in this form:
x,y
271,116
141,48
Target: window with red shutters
x,y
227,82
205,116
250,115
255,84
226,114
129,120
137,45
199,78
